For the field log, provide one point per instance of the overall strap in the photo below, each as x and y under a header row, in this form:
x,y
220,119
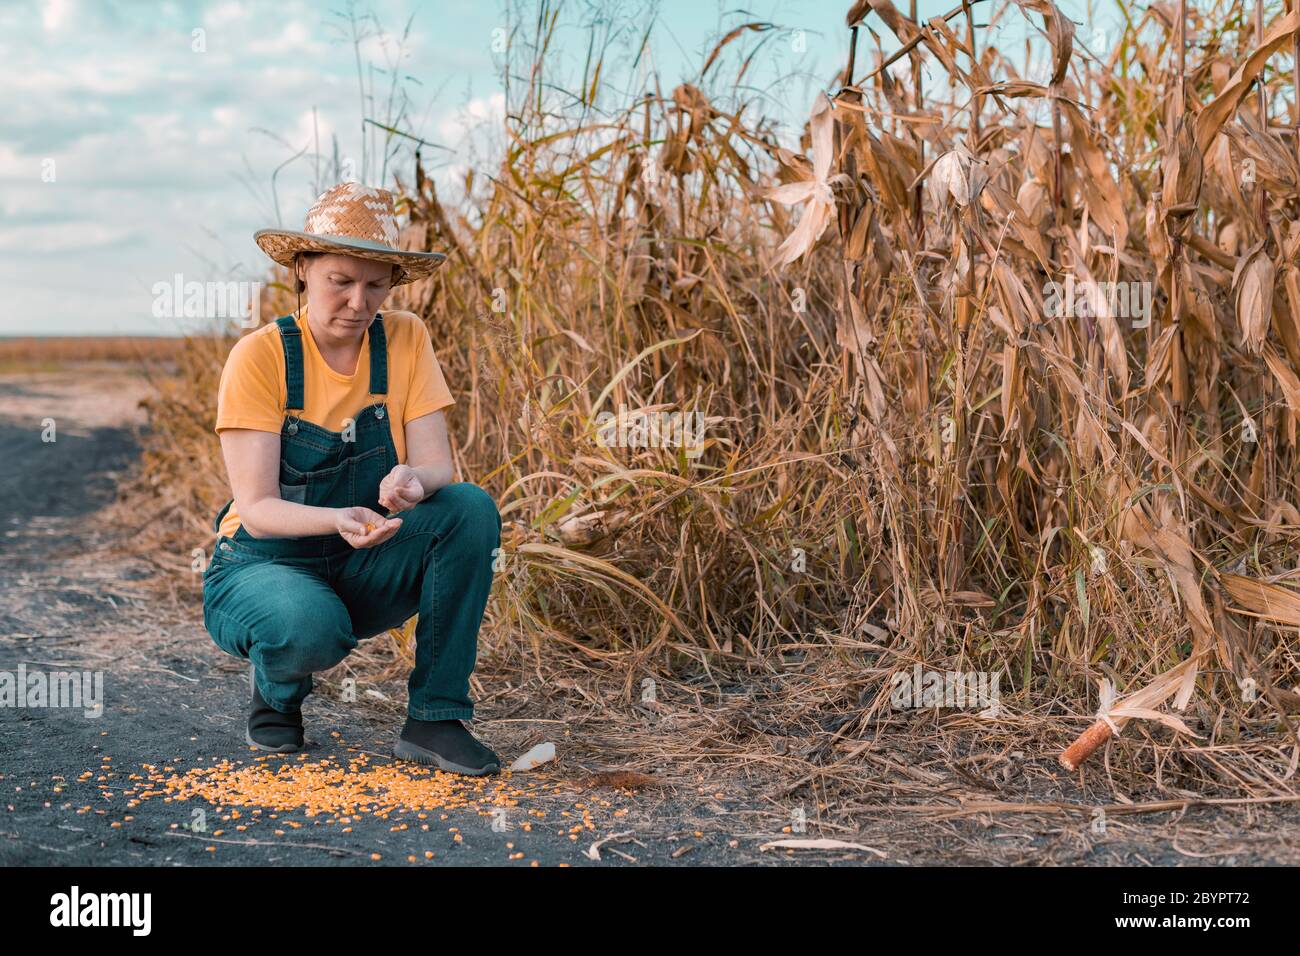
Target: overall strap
x,y
378,357
291,338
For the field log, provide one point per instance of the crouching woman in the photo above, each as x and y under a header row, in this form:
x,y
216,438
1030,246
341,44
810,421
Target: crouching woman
x,y
344,520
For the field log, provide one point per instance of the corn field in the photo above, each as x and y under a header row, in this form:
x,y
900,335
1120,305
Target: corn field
x,y
912,452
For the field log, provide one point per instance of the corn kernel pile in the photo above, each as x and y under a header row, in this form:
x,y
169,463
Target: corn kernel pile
x,y
262,794
340,792
327,786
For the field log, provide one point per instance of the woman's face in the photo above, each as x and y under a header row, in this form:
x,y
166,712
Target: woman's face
x,y
344,292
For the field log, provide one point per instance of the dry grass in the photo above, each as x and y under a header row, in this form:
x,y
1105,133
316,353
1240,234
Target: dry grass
x,y
907,459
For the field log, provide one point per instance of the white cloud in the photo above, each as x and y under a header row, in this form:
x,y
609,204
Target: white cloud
x,y
309,131
56,14
105,75
456,127
225,116
225,13
295,39
62,237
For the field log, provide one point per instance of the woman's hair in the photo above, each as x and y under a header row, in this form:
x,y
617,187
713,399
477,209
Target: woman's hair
x,y
299,285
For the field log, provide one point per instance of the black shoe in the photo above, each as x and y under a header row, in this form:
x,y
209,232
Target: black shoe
x,y
268,728
447,744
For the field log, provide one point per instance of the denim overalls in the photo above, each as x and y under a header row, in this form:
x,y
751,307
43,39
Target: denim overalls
x,y
294,606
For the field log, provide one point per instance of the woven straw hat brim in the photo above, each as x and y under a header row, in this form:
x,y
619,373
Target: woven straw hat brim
x,y
282,244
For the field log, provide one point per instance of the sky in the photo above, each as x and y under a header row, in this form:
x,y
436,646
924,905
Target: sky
x,y
144,141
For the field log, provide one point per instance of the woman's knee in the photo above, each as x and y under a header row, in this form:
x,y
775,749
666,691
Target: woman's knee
x,y
476,510
314,635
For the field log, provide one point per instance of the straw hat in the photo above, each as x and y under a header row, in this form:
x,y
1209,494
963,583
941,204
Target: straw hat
x,y
351,220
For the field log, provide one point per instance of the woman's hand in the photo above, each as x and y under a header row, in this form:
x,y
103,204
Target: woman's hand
x,y
362,528
401,489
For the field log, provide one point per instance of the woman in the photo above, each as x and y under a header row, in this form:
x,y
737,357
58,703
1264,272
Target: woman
x,y
327,418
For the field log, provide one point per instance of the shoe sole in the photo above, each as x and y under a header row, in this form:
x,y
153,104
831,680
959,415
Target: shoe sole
x,y
282,749
405,750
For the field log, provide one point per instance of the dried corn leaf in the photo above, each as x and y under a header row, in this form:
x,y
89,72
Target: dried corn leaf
x,y
1213,116
1272,602
1101,193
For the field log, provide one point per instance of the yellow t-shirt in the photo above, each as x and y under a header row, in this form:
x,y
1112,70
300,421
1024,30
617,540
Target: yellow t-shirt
x,y
252,393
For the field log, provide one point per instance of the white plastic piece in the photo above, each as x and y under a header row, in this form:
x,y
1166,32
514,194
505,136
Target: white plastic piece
x,y
542,753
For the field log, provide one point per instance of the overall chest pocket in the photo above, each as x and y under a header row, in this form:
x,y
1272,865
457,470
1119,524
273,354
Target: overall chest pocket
x,y
335,486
